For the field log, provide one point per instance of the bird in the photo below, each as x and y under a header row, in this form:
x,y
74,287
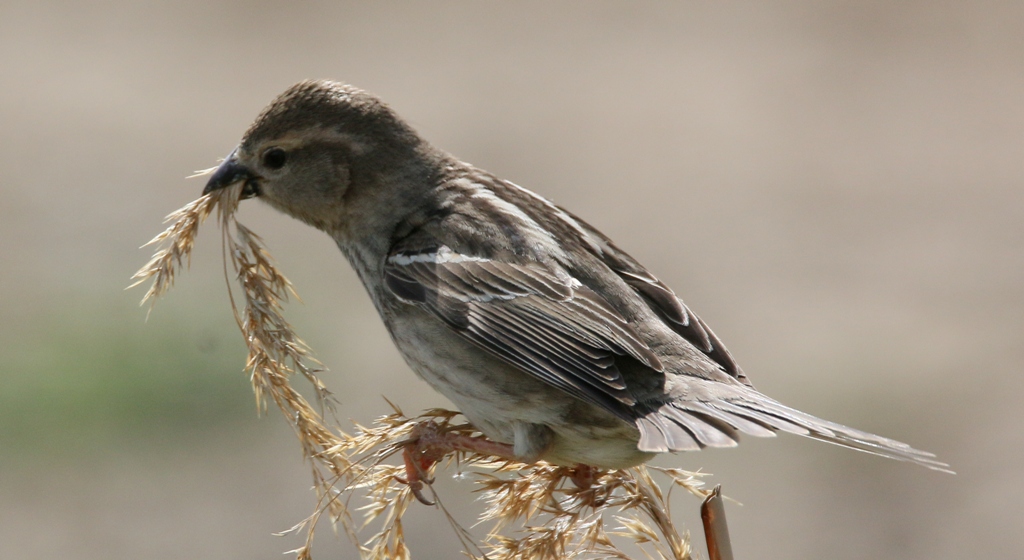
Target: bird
x,y
553,342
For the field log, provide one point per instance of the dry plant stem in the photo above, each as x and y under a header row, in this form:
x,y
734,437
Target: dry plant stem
x,y
716,531
560,519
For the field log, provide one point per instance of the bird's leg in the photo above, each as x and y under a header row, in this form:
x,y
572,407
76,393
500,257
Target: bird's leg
x,y
428,444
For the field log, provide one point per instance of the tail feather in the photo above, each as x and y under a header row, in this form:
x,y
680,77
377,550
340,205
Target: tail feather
x,y
657,436
689,425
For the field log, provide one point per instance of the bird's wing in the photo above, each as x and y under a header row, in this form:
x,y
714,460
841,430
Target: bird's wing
x,y
536,318
669,307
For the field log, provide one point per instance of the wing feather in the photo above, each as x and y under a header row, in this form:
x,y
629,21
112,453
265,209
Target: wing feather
x,y
535,318
661,299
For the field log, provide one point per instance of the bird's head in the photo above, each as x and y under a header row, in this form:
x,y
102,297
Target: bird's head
x,y
325,153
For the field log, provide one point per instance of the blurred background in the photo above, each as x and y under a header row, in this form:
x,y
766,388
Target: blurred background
x,y
837,188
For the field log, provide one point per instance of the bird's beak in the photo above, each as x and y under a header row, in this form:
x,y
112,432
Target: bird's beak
x,y
229,172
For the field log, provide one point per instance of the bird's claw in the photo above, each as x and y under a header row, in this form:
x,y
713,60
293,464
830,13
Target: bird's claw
x,y
416,487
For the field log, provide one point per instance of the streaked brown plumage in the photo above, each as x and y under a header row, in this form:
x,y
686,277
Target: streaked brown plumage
x,y
546,335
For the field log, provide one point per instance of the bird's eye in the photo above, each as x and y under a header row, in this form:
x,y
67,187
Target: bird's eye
x,y
274,158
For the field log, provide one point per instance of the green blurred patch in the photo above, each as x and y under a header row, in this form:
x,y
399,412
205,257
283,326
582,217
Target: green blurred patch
x,y
86,381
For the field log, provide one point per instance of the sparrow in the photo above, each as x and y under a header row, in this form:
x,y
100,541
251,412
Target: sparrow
x,y
552,341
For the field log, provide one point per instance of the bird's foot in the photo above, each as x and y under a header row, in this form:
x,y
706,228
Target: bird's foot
x,y
584,476
588,492
428,444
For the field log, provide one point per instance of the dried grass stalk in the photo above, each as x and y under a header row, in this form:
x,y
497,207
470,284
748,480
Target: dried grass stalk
x,y
532,511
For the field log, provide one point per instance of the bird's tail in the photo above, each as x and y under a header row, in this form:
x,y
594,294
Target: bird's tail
x,y
684,425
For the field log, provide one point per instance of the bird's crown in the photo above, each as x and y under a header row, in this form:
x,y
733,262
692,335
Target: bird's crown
x,y
322,103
